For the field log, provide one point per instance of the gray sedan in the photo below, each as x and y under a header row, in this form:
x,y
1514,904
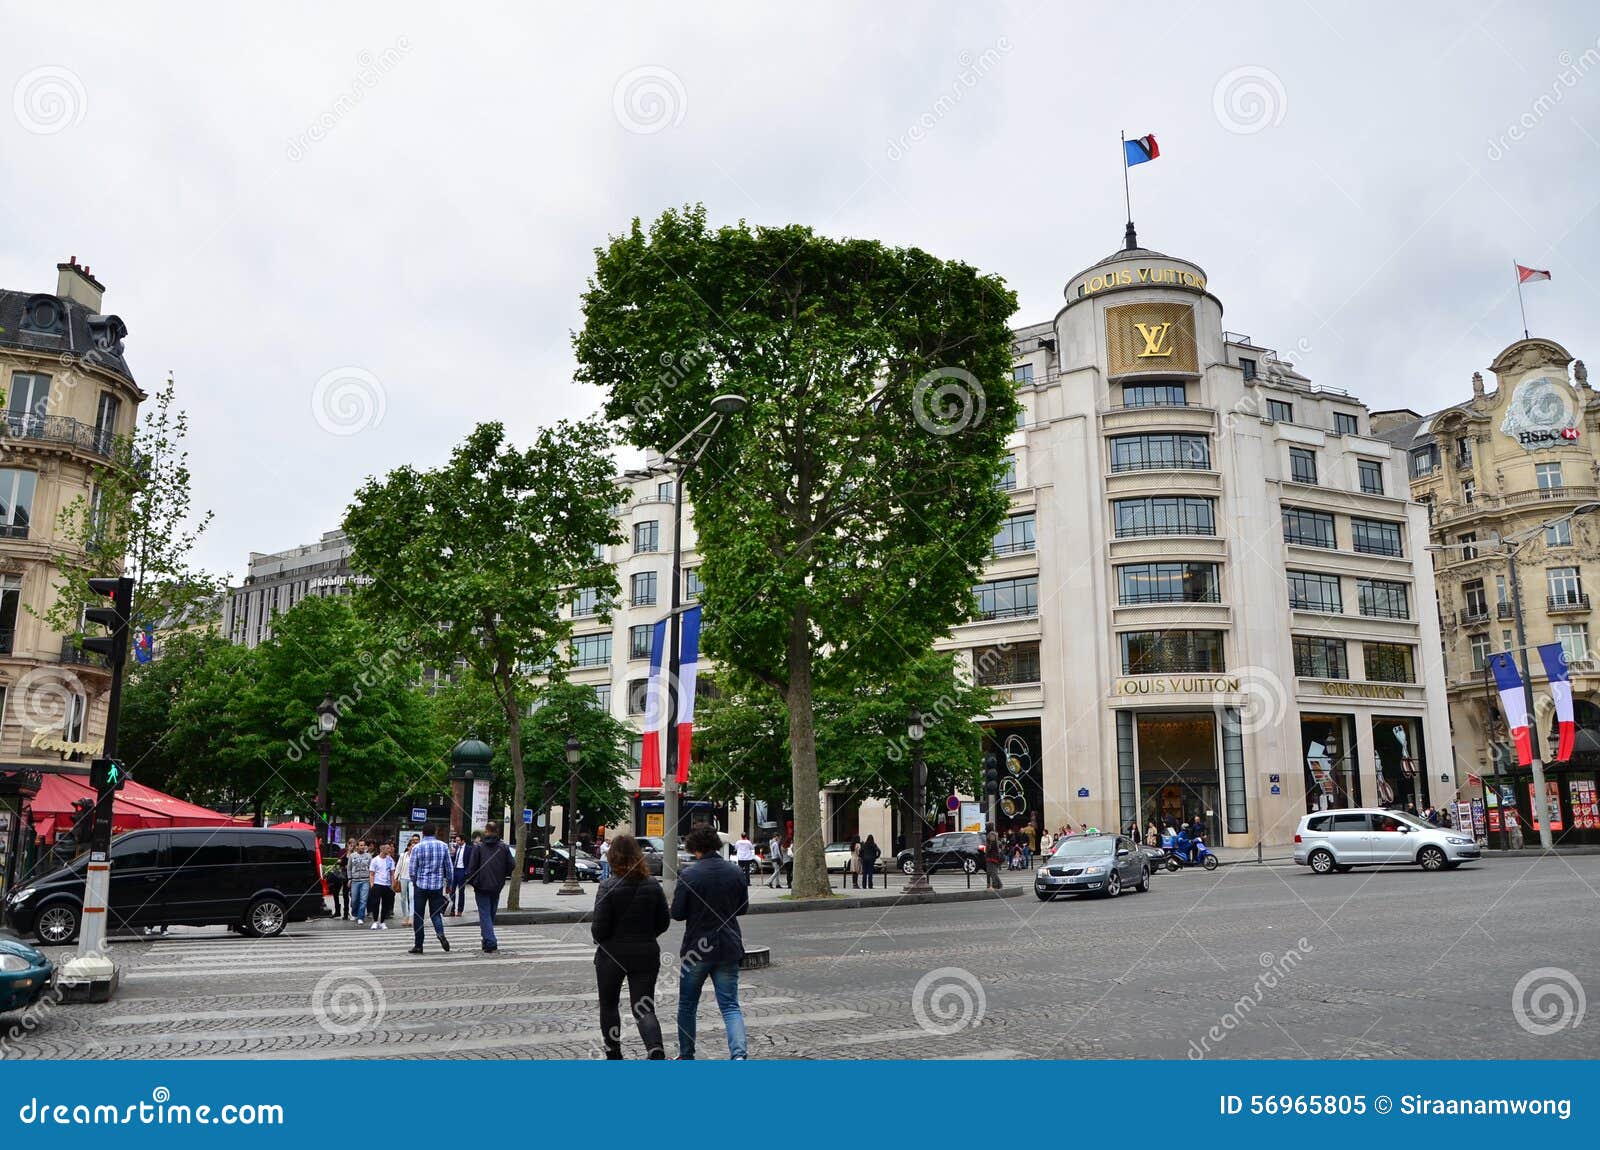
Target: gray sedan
x,y
1100,864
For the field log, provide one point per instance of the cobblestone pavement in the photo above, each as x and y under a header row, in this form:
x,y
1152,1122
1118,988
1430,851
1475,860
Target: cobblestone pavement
x,y
1247,962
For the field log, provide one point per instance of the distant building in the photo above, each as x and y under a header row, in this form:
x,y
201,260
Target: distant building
x,y
274,582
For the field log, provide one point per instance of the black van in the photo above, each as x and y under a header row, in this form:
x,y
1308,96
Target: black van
x,y
256,880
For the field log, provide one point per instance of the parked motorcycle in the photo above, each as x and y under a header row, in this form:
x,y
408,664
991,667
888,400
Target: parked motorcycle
x,y
1202,857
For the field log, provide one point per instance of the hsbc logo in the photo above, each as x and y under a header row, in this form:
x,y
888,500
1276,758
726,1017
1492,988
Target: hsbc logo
x,y
1529,438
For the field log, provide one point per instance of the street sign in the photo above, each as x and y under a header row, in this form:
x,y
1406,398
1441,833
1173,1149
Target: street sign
x,y
1083,792
419,814
1274,779
527,816
952,804
1276,789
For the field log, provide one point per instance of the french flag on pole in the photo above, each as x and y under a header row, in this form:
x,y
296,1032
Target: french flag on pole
x,y
689,663
1141,150
1514,703
1555,666
655,696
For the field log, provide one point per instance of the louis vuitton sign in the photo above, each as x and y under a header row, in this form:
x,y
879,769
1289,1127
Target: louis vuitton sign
x,y
1150,337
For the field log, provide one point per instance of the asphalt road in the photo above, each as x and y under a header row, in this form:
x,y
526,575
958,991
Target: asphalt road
x,y
1493,960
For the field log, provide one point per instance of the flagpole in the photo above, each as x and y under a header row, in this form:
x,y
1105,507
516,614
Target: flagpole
x,y
1517,271
1127,199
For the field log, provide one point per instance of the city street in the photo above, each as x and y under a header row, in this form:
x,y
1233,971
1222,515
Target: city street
x,y
1248,962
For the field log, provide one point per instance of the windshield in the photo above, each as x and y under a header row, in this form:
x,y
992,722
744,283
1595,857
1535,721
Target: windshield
x,y
1082,848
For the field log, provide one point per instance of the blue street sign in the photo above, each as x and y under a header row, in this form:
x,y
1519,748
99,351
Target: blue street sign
x,y
527,816
1083,792
1276,789
419,814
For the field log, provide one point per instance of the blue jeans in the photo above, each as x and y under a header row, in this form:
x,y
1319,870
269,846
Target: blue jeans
x,y
429,904
359,888
725,982
486,908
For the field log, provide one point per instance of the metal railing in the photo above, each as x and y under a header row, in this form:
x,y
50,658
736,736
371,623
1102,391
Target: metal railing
x,y
1379,547
1142,598
1125,532
71,653
1323,608
1571,601
59,429
1502,610
1161,465
999,549
1473,614
1007,612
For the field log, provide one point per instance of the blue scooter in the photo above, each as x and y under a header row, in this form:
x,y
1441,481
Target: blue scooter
x,y
1202,856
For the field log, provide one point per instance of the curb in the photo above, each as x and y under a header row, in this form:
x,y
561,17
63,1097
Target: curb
x,y
560,917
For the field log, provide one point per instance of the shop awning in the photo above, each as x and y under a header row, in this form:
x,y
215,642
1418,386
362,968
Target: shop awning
x,y
136,806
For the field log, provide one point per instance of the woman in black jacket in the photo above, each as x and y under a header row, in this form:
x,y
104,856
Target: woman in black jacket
x,y
630,913
869,860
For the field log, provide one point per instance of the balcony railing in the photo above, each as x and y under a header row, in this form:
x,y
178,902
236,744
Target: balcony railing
x,y
7,637
71,653
1320,606
1502,610
1379,547
1014,548
1570,601
1006,612
59,429
1143,598
1133,532
1300,539
1161,465
13,530
1473,614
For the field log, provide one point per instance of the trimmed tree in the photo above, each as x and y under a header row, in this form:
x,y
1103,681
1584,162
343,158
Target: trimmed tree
x,y
845,516
479,560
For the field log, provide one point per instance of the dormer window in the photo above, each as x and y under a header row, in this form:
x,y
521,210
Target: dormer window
x,y
44,315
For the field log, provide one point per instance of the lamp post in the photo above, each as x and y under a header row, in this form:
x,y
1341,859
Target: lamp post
x,y
681,458
327,720
919,876
574,756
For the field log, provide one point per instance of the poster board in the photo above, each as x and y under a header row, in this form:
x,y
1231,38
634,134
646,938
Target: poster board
x,y
971,817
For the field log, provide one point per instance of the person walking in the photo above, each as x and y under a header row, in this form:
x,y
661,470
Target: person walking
x,y
853,866
430,882
488,869
603,849
775,853
402,877
630,913
358,866
710,897
991,860
744,851
1152,837
870,853
458,874
383,887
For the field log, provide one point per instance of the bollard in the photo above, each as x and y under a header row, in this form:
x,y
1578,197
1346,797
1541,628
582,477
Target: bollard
x,y
1258,852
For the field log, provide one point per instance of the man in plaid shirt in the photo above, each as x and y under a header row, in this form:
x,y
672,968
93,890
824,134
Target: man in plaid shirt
x,y
430,872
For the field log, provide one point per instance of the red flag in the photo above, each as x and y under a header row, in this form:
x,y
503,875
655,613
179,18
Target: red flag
x,y
1530,275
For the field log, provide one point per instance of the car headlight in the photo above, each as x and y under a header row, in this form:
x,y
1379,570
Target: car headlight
x,y
14,964
1455,840
23,895
1043,871
1094,870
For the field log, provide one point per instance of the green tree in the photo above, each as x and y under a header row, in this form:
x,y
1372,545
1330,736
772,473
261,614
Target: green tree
x,y
846,514
563,710
479,560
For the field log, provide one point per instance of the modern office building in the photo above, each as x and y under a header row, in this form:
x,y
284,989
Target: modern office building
x,y
1511,476
276,581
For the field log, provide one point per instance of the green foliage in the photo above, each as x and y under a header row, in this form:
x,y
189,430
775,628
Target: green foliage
x,y
565,710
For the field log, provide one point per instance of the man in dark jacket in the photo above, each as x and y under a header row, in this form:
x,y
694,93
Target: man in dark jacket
x,y
489,864
712,892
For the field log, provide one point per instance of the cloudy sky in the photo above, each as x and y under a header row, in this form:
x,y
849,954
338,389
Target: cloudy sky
x,y
351,232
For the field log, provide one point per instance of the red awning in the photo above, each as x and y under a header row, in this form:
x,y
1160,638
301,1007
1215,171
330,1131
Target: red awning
x,y
135,807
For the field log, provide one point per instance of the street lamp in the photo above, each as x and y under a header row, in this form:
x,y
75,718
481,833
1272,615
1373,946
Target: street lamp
x,y
681,458
574,756
327,720
919,876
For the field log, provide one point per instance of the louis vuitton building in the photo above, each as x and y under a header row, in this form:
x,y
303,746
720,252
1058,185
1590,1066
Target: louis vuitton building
x,y
1211,597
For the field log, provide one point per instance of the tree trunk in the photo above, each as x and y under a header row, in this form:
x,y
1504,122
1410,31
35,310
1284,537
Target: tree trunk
x,y
518,793
810,858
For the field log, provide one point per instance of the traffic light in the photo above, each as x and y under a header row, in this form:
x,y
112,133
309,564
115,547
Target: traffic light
x,y
991,775
116,617
107,775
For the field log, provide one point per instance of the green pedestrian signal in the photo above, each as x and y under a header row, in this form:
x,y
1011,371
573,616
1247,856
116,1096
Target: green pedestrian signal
x,y
107,775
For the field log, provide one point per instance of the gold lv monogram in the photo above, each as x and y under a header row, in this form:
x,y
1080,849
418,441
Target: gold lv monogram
x,y
1155,339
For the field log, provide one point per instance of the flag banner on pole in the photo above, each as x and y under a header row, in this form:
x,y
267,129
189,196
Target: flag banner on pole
x,y
1514,703
1530,275
1555,666
688,664
1143,150
655,711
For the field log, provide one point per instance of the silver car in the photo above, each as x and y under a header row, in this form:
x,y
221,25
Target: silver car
x,y
1098,863
1337,840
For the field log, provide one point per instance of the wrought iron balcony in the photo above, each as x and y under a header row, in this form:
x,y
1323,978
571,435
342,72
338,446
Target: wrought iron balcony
x,y
59,429
1571,601
73,654
1474,614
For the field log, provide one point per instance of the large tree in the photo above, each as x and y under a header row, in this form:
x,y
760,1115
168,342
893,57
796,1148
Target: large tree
x,y
480,560
563,710
846,514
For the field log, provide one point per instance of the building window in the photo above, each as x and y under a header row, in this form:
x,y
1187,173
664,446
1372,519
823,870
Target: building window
x,y
1469,492
1468,551
585,602
1383,599
1248,367
1007,598
642,589
667,491
1280,412
1558,534
1574,640
72,721
1548,476
1566,590
693,588
1165,515
1022,416
1015,535
1005,665
1316,657
1479,645
646,536
1167,583
1310,591
1022,373
1375,537
28,403
1370,474
1475,600
1007,479
639,640
105,422
1303,465
1346,424
1154,395
10,599
1424,460
1308,528
16,502
638,693
602,697
591,650
1171,652
1388,663
1463,451
1160,453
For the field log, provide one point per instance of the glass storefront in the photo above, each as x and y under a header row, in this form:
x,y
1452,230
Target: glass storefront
x,y
1178,781
1402,765
1328,757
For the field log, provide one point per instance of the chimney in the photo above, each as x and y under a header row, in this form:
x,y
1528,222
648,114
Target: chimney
x,y
75,283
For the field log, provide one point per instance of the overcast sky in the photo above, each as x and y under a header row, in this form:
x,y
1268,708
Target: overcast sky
x,y
353,231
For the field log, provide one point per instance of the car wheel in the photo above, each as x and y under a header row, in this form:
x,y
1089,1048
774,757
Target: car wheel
x,y
1211,862
57,923
1113,885
908,866
1322,862
266,918
970,865
1144,882
1431,858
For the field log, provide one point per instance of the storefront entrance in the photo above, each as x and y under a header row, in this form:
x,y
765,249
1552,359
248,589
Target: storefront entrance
x,y
1328,752
1402,763
1178,780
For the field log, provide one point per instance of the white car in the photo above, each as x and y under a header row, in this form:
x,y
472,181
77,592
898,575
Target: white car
x,y
1337,840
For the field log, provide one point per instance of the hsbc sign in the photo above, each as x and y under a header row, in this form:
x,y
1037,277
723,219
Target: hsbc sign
x,y
1542,413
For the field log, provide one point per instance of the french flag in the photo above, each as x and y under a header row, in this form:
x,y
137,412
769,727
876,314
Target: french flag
x,y
1140,151
654,712
1515,704
689,663
1555,667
